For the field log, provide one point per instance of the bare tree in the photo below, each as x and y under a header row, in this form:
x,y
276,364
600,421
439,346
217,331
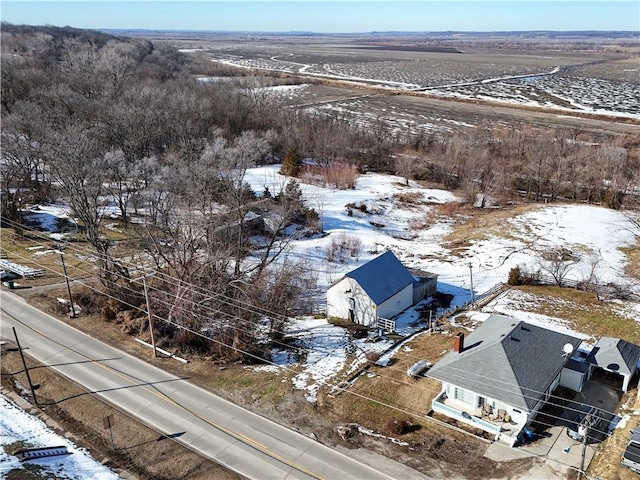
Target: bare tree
x,y
558,263
405,166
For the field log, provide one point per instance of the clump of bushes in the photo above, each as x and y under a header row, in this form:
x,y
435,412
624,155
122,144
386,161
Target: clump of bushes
x,y
515,277
342,246
340,175
397,426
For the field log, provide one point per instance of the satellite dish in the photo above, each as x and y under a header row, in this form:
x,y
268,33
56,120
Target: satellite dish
x,y
567,349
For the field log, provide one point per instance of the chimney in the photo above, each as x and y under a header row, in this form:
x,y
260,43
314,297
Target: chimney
x,y
458,342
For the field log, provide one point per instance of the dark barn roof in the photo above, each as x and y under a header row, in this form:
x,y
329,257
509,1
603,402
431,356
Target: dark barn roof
x,y
382,277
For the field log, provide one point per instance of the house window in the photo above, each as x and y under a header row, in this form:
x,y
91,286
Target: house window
x,y
463,395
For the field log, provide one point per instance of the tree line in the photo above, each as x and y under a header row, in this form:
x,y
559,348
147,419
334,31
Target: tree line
x,y
89,117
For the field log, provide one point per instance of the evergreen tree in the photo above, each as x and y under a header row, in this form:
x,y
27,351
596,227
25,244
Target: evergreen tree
x,y
291,163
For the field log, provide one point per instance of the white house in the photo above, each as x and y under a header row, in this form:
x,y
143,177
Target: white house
x,y
499,377
382,287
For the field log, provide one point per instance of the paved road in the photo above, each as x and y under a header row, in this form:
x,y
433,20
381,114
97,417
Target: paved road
x,y
232,436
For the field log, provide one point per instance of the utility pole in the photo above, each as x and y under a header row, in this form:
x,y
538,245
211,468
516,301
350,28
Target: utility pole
x,y
72,313
149,316
26,369
146,298
584,452
473,298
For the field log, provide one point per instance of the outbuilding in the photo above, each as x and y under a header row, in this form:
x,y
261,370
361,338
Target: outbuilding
x,y
382,287
616,357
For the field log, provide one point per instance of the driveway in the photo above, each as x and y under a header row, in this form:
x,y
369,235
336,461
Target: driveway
x,y
560,452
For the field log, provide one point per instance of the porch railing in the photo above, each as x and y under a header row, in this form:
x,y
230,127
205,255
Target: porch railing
x,y
439,407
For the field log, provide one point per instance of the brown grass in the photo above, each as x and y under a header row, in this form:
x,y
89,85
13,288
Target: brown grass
x,y
367,401
632,266
408,198
136,448
479,224
17,250
583,311
606,462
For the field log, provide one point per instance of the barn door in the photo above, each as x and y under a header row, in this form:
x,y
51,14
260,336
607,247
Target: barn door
x,y
352,309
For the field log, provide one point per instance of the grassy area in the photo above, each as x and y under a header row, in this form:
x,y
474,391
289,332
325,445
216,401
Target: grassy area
x,y
479,224
606,463
584,311
267,386
632,267
366,401
30,252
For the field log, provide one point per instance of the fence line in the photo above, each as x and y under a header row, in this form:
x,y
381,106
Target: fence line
x,y
609,290
481,300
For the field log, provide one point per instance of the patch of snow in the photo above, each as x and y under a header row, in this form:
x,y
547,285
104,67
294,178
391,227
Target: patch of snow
x,y
16,425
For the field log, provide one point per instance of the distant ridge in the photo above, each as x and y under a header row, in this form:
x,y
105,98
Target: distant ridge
x,y
393,33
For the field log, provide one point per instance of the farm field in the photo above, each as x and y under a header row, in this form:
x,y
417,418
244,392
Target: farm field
x,y
565,83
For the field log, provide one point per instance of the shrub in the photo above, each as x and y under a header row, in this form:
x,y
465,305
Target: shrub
x,y
88,300
449,209
339,175
291,164
372,356
515,277
396,426
342,245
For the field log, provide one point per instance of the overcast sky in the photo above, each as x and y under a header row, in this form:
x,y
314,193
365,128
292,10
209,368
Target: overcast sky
x,y
329,16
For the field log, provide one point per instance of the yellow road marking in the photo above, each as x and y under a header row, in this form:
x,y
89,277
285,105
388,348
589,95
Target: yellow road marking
x,y
238,436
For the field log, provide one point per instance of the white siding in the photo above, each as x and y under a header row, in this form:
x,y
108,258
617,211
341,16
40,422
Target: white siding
x,y
471,400
572,379
347,300
347,296
396,304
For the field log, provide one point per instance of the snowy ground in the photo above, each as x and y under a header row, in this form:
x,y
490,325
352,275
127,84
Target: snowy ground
x,y
591,232
17,425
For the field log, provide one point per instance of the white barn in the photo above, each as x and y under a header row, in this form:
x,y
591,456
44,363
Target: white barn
x,y
382,287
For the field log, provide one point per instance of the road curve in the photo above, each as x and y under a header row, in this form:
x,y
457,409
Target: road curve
x,y
242,441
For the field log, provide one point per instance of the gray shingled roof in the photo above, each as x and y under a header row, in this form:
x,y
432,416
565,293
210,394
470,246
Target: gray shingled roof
x,y
382,277
508,360
615,355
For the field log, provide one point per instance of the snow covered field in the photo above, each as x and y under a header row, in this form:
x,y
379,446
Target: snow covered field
x,y
18,426
591,232
594,234
535,84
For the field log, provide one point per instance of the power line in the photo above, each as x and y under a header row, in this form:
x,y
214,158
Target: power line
x,y
229,299
267,361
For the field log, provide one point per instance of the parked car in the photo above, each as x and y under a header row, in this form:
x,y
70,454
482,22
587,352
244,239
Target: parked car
x,y
590,418
631,456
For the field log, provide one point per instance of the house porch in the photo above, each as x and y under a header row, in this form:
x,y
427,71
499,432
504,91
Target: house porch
x,y
492,423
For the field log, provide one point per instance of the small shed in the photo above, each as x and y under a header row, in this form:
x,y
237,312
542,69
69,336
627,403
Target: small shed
x,y
574,375
616,356
424,285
